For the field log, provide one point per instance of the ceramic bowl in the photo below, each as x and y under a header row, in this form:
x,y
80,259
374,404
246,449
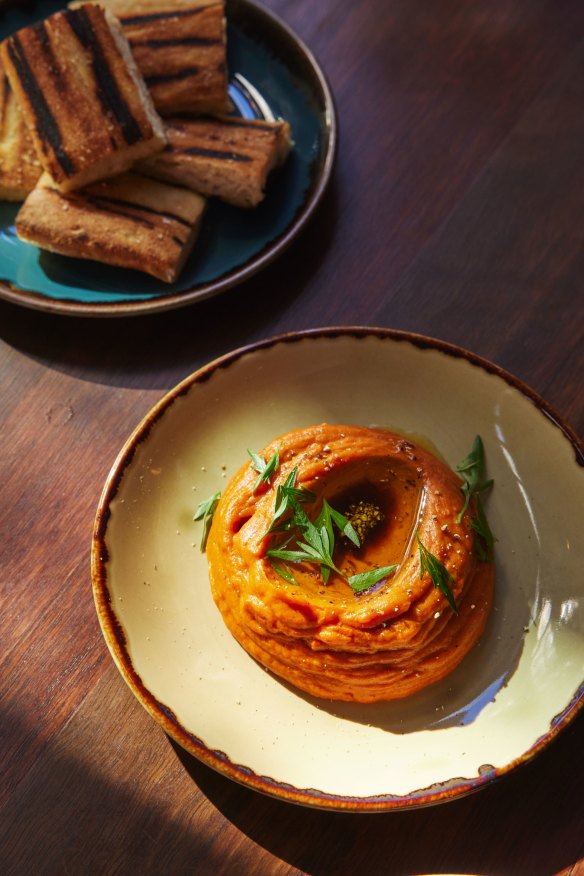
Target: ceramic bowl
x,y
512,694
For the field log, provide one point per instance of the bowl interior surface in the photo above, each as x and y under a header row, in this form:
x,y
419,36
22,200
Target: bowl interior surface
x,y
490,714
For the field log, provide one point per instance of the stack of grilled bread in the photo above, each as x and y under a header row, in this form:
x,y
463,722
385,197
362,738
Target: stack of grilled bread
x,y
114,129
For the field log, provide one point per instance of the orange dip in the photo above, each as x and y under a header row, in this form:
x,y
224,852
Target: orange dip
x,y
394,638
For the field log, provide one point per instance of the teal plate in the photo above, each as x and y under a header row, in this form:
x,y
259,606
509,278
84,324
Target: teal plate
x,y
272,75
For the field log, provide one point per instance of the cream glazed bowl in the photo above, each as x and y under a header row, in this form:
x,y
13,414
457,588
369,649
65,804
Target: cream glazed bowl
x,y
512,694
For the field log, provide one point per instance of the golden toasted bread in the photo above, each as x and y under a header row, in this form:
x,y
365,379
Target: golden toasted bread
x,y
180,49
129,221
226,157
81,95
19,164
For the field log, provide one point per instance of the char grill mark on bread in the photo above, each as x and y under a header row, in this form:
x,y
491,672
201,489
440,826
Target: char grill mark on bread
x,y
44,124
150,17
180,48
19,164
177,41
116,205
110,96
216,153
176,76
182,54
129,221
224,157
81,95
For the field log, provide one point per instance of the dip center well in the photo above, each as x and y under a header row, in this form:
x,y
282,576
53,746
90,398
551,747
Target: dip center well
x,y
382,501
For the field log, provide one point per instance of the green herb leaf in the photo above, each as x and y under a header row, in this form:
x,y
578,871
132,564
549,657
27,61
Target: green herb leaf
x,y
316,543
204,512
318,539
311,553
264,469
282,505
316,548
441,577
284,573
289,556
328,516
288,496
485,543
472,471
367,579
325,520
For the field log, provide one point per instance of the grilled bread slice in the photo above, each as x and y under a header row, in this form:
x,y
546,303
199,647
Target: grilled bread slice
x,y
129,221
226,157
81,95
180,49
19,164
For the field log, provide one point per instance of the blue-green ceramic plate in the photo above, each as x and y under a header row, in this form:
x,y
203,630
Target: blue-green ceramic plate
x,y
272,74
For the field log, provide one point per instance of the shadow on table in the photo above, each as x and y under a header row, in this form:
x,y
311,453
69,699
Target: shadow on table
x,y
66,817
154,350
520,819
97,801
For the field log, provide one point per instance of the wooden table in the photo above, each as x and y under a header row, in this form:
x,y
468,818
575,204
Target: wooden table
x,y
457,211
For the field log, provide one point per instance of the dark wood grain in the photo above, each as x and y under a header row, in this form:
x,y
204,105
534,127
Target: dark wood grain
x,y
140,804
510,255
457,211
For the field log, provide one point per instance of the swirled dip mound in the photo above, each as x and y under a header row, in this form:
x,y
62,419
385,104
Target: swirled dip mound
x,y
383,641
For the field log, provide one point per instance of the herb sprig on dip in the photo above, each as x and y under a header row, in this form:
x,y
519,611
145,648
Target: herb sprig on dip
x,y
315,541
348,499
441,577
287,495
264,469
472,471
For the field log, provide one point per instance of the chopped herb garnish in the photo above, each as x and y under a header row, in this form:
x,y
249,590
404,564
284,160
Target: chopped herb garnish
x,y
367,579
285,573
472,471
263,468
204,512
328,516
316,548
287,496
485,543
441,577
316,543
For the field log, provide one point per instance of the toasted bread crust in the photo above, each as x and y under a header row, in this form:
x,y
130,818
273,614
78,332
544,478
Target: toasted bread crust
x,y
226,157
20,168
129,221
84,102
180,49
